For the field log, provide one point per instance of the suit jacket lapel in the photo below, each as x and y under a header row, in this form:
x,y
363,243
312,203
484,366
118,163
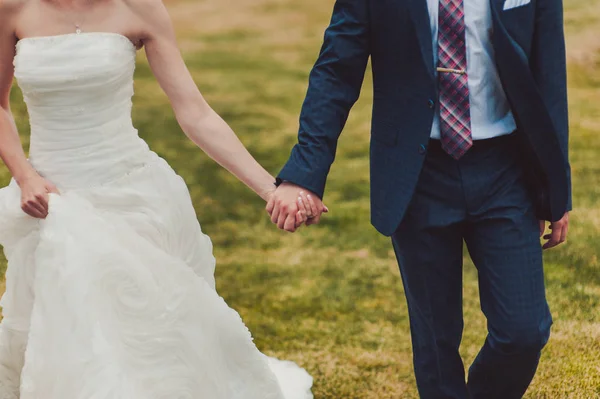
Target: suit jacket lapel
x,y
497,10
420,17
501,22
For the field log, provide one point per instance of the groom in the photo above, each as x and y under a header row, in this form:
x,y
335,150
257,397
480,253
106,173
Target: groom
x,y
468,144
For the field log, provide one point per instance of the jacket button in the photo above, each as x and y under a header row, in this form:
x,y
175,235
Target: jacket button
x,y
431,103
422,149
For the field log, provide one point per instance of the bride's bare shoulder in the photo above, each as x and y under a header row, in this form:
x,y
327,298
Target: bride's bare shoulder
x,y
9,12
145,8
10,7
153,14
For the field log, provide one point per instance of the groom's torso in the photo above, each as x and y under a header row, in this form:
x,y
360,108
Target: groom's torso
x,y
504,92
404,55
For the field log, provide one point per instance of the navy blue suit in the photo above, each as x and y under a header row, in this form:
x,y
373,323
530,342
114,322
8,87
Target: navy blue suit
x,y
430,203
530,54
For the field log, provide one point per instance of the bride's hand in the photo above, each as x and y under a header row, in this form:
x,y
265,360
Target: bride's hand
x,y
309,208
35,192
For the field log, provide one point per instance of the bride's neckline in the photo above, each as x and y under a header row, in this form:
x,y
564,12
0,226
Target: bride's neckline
x,y
67,35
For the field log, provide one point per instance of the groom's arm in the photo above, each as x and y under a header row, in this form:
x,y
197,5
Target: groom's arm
x,y
334,86
549,67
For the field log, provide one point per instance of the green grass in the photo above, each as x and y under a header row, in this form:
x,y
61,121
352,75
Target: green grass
x,y
330,297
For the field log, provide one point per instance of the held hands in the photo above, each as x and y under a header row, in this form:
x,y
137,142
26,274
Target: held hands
x,y
290,206
35,192
558,232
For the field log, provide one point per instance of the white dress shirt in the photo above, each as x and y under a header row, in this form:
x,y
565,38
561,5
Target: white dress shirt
x,y
490,112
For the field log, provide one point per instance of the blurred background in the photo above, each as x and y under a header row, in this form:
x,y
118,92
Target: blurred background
x,y
330,297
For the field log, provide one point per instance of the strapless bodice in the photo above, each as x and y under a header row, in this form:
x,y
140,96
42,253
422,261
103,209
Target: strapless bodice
x,y
78,90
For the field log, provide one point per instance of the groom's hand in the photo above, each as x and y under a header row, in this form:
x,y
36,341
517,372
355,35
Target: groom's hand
x,y
283,206
558,233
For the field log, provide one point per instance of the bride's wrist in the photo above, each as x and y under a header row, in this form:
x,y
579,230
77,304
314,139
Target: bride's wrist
x,y
25,175
266,191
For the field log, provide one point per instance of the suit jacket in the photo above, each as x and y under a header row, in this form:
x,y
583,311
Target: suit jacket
x,y
530,55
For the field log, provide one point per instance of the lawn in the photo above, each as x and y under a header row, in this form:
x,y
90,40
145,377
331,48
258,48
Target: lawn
x,y
330,297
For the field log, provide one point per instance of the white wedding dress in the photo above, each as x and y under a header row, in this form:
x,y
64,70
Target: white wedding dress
x,y
112,296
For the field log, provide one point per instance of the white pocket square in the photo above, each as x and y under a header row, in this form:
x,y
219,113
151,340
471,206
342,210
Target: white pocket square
x,y
510,4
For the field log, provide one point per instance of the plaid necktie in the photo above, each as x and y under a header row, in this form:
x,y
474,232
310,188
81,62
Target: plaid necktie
x,y
455,114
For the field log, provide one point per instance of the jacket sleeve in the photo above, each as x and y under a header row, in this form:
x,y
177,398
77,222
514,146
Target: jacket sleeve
x,y
334,86
549,68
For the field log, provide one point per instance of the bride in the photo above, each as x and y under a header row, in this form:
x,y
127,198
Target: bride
x,y
110,289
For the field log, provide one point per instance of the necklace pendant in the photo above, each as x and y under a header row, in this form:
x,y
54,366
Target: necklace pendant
x,y
77,29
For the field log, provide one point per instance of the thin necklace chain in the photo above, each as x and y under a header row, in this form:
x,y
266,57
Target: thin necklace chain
x,y
79,21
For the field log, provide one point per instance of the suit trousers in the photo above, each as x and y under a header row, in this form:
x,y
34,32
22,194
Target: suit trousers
x,y
481,200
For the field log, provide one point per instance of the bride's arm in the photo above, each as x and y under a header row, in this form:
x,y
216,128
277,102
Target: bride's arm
x,y
34,189
196,118
11,150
